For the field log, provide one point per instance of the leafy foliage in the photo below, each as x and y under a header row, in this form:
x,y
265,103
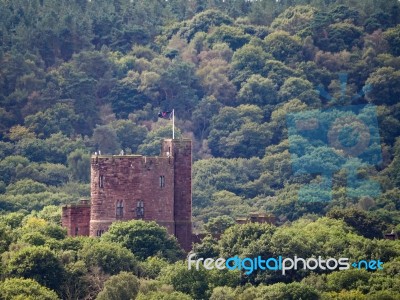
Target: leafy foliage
x,y
144,239
80,77
38,263
111,258
121,286
19,288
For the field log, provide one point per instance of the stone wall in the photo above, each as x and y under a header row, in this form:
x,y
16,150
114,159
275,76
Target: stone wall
x,y
131,182
181,150
129,187
76,218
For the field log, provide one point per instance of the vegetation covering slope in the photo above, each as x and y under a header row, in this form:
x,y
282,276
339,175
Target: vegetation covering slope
x,y
82,76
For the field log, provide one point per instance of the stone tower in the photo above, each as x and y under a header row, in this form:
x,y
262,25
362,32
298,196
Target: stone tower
x,y
181,151
127,187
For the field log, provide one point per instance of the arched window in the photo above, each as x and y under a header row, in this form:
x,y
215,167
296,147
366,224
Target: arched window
x,y
140,209
119,211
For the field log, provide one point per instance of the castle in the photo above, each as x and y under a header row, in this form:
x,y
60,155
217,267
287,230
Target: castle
x,y
131,187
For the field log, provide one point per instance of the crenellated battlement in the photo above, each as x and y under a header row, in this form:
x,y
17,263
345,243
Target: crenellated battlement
x,y
155,188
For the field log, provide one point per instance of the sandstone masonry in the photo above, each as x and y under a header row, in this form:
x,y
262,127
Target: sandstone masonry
x,y
131,187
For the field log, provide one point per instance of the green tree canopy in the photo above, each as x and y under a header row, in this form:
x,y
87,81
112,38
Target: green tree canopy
x,y
120,287
295,20
19,288
218,225
258,90
151,144
144,239
111,258
239,132
283,46
105,140
38,263
392,35
79,165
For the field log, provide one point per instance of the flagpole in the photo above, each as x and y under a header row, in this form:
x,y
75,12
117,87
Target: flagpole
x,y
173,124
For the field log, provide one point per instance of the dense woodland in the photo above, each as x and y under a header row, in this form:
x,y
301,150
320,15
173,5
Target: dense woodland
x,y
83,76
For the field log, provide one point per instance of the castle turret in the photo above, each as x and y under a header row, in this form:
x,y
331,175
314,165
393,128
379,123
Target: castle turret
x,y
181,151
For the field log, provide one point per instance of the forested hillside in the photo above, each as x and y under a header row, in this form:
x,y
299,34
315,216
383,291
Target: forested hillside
x,y
83,76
